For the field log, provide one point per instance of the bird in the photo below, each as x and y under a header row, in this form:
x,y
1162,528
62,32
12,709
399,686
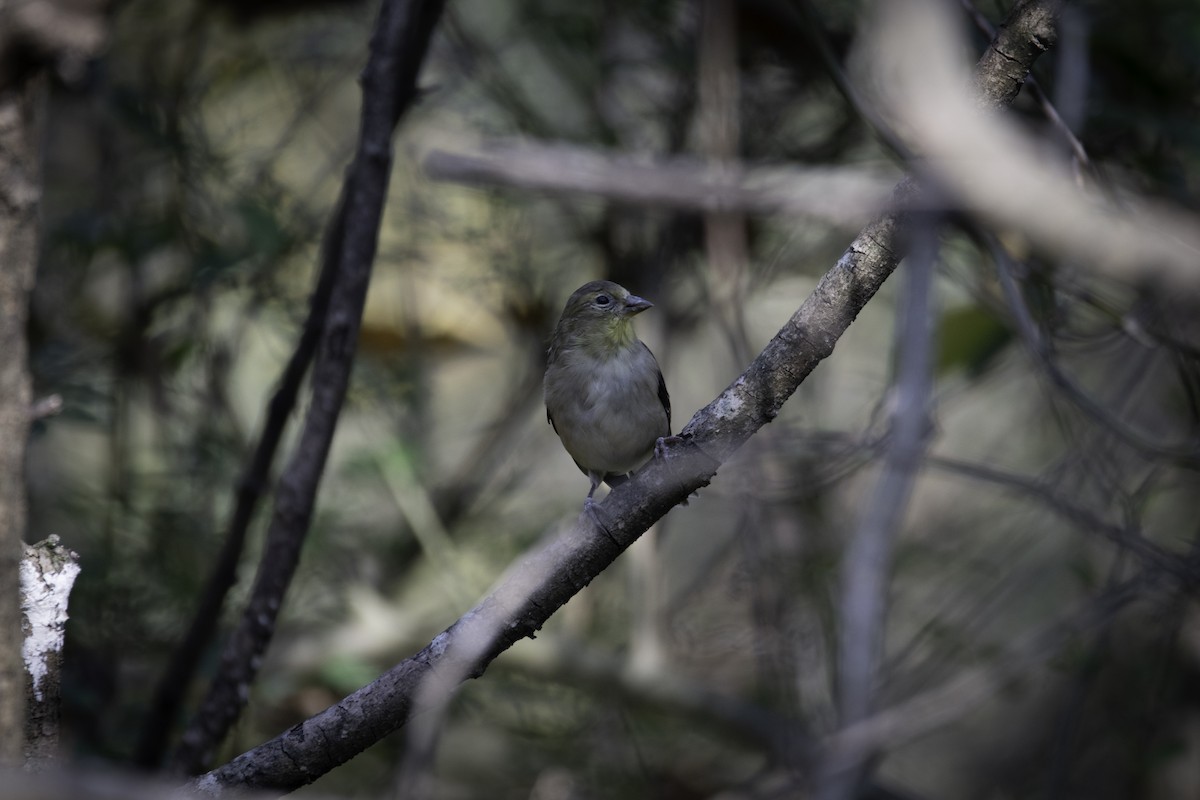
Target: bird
x,y
605,394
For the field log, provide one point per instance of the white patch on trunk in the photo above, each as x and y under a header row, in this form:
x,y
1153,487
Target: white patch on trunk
x,y
44,604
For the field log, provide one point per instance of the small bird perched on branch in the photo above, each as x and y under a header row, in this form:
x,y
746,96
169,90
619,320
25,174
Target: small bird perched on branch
x,y
605,395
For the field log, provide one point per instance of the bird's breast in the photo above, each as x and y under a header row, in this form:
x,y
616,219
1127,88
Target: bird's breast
x,y
607,410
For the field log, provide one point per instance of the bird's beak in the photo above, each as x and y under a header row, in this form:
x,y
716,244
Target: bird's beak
x,y
636,305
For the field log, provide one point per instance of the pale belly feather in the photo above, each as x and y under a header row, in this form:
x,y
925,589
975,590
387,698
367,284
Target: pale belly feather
x,y
613,421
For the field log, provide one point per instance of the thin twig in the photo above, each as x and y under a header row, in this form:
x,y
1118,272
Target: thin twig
x,y
47,406
398,48
866,572
1150,554
1035,91
177,678
938,707
840,195
1185,455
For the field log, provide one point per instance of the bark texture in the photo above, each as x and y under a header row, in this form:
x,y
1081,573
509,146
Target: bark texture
x,y
20,194
48,572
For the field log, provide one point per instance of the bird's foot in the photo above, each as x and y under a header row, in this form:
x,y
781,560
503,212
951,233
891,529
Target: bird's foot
x,y
663,445
592,509
662,450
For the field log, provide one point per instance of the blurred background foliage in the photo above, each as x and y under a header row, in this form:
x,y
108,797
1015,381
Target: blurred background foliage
x,y
189,176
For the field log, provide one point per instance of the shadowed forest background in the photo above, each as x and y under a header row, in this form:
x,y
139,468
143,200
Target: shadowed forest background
x,y
189,173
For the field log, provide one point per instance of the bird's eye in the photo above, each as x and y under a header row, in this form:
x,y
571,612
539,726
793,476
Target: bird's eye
x,y
603,300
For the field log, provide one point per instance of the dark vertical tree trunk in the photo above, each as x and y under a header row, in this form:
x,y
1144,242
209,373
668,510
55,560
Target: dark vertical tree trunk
x,y
20,193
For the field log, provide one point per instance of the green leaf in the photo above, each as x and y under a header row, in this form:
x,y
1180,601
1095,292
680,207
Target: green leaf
x,y
969,338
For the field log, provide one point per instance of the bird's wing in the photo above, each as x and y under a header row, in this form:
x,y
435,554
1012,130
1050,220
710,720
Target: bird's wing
x,y
664,396
550,419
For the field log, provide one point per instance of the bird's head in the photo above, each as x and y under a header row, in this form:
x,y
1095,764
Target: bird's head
x,y
598,314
